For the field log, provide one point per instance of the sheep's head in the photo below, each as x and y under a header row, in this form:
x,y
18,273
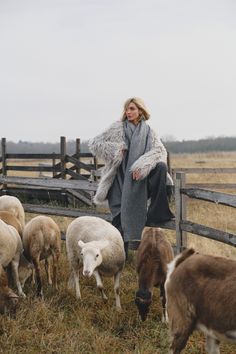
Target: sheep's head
x,y
8,299
143,301
91,255
8,302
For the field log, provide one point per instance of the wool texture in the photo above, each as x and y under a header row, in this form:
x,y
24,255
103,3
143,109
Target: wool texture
x,y
108,146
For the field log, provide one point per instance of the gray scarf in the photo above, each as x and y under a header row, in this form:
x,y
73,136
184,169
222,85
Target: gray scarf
x,y
128,197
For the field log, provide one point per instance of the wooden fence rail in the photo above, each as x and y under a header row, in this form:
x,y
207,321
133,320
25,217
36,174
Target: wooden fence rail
x,y
204,170
183,225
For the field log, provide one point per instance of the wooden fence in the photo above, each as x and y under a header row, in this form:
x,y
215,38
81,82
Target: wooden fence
x,y
180,225
183,225
59,162
63,166
79,182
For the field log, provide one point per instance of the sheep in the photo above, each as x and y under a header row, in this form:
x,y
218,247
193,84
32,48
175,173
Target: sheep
x,y
200,293
10,252
11,219
13,205
153,255
41,240
24,268
8,299
98,246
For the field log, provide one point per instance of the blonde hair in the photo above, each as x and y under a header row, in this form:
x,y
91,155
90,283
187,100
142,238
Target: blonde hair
x,y
141,106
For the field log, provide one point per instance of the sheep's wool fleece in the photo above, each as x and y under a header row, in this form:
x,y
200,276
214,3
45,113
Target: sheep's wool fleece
x,y
109,145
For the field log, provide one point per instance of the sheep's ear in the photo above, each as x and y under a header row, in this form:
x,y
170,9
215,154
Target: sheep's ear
x,y
103,244
81,244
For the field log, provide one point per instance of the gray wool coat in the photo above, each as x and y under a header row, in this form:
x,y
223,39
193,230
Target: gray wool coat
x,y
108,146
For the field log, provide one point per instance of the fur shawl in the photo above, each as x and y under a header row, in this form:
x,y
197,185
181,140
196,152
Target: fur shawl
x,y
108,146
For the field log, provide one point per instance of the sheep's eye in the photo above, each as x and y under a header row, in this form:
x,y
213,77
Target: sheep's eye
x,y
81,254
97,255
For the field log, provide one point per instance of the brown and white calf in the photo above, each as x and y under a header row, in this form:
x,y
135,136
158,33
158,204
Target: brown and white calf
x,y
200,292
8,299
153,255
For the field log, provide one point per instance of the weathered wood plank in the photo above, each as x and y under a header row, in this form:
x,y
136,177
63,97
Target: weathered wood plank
x,y
79,164
74,213
33,156
75,175
4,162
210,196
32,168
209,232
58,175
203,170
79,196
50,183
211,185
180,211
63,156
85,154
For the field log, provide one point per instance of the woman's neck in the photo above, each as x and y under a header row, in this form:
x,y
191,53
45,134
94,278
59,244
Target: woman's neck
x,y
134,122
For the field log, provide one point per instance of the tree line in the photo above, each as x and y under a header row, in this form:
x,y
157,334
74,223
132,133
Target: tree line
x,y
202,145
185,146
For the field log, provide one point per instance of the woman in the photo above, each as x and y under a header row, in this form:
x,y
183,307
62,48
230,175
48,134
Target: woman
x,y
135,170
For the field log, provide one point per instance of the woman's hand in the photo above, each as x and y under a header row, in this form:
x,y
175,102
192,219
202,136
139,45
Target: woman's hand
x,y
136,175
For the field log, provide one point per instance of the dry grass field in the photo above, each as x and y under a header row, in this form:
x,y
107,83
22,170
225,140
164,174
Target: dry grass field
x,y
62,324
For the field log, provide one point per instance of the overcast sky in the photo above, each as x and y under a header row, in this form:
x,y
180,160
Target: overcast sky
x,y
67,66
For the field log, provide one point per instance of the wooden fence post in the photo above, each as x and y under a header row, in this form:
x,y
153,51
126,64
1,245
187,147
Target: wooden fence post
x,y
54,164
4,163
168,163
63,157
95,167
180,211
77,151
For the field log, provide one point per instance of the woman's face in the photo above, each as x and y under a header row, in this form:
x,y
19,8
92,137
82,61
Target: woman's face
x,y
132,113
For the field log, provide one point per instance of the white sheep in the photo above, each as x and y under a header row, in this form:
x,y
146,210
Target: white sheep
x,y
10,251
41,240
13,205
12,220
99,247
